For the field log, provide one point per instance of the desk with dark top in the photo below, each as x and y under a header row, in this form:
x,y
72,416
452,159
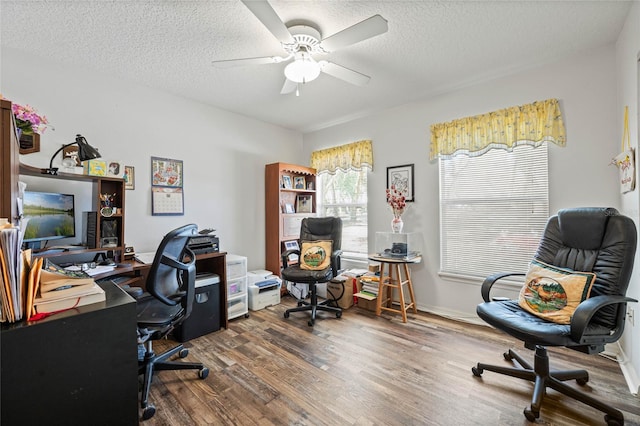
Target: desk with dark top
x,y
77,367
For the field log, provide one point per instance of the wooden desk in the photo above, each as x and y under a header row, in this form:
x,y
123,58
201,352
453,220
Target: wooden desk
x,y
77,367
393,280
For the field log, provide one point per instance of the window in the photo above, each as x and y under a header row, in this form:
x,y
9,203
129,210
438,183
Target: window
x,y
344,194
493,210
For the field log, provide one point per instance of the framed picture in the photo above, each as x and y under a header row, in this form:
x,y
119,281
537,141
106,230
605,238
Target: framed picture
x,y
286,182
298,182
304,204
402,178
166,172
115,169
291,245
288,208
129,177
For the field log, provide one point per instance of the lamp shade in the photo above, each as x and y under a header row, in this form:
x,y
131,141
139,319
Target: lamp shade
x,y
302,70
86,151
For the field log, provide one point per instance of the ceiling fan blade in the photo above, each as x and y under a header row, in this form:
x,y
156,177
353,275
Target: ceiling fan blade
x,y
228,63
288,87
270,19
368,28
338,71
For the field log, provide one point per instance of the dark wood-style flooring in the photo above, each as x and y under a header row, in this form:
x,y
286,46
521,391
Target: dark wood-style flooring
x,y
368,370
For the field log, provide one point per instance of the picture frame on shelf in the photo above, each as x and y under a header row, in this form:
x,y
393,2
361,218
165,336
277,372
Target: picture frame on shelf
x,y
115,169
286,182
402,178
304,204
299,182
292,245
288,208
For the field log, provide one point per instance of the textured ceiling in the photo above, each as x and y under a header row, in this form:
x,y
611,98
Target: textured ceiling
x,y
431,47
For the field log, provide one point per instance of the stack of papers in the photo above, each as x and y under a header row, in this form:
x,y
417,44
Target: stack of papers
x,y
12,274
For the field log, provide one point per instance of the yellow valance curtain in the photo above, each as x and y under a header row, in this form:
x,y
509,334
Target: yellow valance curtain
x,y
353,156
531,124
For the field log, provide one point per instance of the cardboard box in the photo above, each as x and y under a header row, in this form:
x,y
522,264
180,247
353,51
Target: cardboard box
x,y
343,291
374,267
369,305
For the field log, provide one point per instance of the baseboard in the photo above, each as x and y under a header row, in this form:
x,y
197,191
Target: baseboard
x,y
629,372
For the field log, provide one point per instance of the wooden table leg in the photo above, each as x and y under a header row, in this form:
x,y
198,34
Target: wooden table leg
x,y
410,283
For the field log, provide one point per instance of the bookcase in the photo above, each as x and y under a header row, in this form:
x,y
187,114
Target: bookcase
x,y
290,196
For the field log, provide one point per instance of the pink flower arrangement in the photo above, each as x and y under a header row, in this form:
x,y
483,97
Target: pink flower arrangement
x,y
396,201
28,120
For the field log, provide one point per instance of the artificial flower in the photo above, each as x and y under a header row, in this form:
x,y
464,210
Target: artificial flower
x,y
28,120
396,201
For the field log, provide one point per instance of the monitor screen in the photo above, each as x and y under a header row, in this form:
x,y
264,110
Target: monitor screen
x,y
51,216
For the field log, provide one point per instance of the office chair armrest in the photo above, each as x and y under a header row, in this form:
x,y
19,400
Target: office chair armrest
x,y
285,256
492,279
174,299
587,309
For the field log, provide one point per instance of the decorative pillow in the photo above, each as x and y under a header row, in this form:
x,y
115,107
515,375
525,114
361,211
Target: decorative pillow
x,y
315,255
554,293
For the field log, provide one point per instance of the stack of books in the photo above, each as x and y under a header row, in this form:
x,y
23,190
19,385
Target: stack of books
x,y
61,289
369,285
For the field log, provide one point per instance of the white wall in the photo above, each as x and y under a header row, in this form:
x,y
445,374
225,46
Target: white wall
x,y
628,73
224,154
579,173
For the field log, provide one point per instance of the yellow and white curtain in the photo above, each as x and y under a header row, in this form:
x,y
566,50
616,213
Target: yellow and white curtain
x,y
353,156
531,124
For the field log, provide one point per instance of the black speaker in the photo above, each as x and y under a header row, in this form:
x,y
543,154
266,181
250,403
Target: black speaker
x,y
90,229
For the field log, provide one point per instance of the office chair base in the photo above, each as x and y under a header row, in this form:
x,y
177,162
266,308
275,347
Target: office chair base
x,y
544,378
314,307
153,363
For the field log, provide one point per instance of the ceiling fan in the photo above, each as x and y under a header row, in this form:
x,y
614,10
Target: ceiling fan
x,y
301,42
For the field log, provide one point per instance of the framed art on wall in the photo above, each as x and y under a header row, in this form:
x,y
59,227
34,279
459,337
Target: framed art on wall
x,y
129,177
401,177
166,172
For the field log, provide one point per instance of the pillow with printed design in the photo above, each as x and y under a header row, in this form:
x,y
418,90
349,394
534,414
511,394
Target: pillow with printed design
x,y
554,293
315,255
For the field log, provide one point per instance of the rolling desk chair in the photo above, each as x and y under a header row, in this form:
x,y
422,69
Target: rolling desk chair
x,y
169,301
315,229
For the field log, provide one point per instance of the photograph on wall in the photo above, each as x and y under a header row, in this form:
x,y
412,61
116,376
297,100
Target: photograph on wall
x,y
129,177
166,172
401,177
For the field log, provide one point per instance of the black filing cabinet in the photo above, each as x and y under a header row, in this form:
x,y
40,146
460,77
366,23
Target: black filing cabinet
x,y
205,314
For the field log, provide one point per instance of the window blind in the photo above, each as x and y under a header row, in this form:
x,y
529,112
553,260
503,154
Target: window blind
x,y
493,210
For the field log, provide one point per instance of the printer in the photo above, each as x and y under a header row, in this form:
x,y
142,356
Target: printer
x,y
264,289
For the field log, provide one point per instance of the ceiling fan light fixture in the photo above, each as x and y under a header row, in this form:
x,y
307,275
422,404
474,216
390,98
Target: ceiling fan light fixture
x,y
302,70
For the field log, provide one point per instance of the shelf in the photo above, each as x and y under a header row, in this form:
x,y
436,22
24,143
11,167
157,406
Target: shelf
x,y
27,170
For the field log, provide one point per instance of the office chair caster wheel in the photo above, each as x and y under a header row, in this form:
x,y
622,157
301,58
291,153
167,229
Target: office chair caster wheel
x,y
183,353
310,322
203,373
477,371
286,314
531,415
582,382
148,412
338,314
613,422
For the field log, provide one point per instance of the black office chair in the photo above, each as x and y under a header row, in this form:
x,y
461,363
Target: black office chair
x,y
171,291
597,240
315,229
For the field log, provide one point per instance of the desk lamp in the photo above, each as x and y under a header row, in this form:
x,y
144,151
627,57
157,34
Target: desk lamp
x,y
85,152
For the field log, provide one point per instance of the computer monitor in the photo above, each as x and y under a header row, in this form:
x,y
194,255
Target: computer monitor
x,y
51,216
